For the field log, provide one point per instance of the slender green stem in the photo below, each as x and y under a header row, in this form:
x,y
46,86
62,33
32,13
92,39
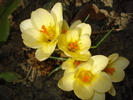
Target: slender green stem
x,y
56,69
59,58
86,17
93,47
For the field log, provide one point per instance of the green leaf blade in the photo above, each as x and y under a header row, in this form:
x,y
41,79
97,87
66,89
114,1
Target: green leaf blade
x,y
5,10
10,76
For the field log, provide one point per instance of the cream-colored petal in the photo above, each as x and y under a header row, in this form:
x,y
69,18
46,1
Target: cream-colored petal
x,y
26,24
56,30
68,66
98,96
101,82
41,17
88,64
118,75
74,24
34,44
56,12
69,63
84,29
65,25
100,62
113,57
67,52
71,54
84,43
112,91
83,57
45,52
121,62
69,71
72,36
62,41
32,35
66,82
81,90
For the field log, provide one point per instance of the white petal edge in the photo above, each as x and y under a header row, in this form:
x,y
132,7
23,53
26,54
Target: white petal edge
x,y
26,24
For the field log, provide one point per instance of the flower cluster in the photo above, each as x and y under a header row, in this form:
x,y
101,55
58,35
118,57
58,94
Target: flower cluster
x,y
90,77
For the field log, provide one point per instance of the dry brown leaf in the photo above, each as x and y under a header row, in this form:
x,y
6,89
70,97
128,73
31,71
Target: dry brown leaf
x,y
93,11
1,2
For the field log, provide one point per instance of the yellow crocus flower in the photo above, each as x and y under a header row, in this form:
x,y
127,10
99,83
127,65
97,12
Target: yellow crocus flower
x,y
88,80
75,41
115,69
116,66
41,31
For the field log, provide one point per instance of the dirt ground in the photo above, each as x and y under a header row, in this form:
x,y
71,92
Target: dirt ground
x,y
16,57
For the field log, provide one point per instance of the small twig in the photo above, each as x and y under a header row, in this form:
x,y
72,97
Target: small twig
x,y
37,3
29,72
17,81
105,31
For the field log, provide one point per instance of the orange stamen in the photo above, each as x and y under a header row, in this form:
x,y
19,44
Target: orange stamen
x,y
44,30
86,78
76,63
110,71
63,31
74,45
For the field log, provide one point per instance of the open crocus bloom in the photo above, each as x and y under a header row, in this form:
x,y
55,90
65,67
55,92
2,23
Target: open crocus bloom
x,y
115,69
42,30
75,42
88,79
116,66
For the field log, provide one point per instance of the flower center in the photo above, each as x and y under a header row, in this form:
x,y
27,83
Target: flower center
x,y
76,63
109,70
73,46
49,32
85,76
